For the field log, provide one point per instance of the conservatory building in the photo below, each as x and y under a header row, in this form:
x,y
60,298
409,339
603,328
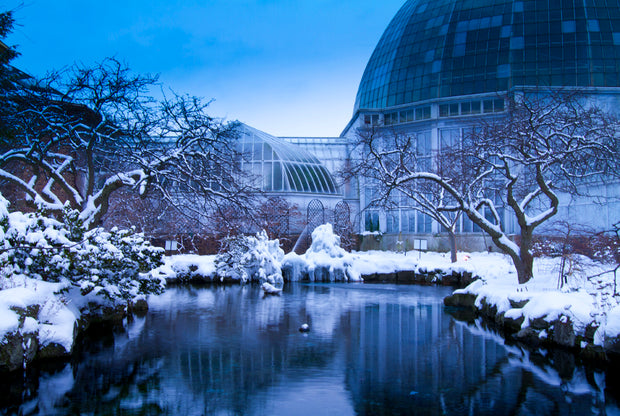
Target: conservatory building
x,y
442,66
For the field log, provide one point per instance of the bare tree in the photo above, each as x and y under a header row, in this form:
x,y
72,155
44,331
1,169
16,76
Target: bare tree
x,y
390,156
544,144
82,134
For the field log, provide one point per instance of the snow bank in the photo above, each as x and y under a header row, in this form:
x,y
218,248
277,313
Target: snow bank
x,y
187,268
325,260
585,306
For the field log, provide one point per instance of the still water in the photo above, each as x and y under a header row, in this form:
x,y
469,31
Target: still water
x,y
371,350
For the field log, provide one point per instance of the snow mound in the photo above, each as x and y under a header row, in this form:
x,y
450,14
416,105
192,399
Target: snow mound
x,y
325,260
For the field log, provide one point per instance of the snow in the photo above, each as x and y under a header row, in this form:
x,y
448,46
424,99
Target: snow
x,y
55,320
583,300
52,271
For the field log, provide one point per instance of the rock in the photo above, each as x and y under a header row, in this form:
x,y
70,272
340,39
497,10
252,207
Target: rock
x,y
514,304
512,325
140,305
529,336
270,289
462,300
590,331
488,310
612,345
539,323
562,332
52,350
406,276
466,279
12,352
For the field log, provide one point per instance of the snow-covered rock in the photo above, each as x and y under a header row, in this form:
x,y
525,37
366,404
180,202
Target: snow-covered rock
x,y
582,313
270,289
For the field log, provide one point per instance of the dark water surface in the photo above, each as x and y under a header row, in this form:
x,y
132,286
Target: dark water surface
x,y
371,350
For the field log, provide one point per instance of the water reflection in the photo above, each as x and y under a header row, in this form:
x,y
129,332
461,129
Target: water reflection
x,y
372,349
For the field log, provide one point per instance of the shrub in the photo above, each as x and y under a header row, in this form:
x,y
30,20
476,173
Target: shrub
x,y
114,264
247,258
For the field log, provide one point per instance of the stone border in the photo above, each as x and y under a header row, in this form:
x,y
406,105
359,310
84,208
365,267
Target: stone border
x,y
559,333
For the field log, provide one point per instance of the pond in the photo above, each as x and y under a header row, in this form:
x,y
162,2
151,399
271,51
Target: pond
x,y
371,350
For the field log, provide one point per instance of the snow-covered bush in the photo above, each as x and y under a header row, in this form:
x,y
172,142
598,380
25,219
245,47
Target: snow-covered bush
x,y
113,264
248,258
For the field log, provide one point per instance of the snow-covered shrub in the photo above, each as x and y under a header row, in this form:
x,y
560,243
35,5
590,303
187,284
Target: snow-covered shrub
x,y
113,264
324,240
248,258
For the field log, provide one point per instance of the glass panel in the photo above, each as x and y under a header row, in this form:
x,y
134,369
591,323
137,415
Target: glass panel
x,y
293,179
392,222
303,181
424,223
371,221
277,176
267,176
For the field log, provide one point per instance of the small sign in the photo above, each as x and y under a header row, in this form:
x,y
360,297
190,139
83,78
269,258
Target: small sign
x,y
421,245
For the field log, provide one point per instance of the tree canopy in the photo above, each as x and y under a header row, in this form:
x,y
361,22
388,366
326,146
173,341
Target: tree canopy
x,y
79,135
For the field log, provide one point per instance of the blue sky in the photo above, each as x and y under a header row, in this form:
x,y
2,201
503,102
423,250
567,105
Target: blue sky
x,y
289,67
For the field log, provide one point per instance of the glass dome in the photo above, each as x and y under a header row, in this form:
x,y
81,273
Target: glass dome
x,y
447,48
283,166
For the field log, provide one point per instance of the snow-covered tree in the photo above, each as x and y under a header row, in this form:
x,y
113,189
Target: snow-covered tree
x,y
81,134
518,162
388,156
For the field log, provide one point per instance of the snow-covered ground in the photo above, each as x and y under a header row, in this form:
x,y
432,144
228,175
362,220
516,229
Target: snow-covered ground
x,y
587,298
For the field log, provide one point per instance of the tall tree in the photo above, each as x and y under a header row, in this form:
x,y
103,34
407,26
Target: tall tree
x,y
546,143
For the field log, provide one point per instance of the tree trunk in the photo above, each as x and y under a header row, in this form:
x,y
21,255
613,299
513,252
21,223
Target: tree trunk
x,y
525,267
525,263
453,250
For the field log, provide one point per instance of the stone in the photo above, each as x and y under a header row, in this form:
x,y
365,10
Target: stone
x,y
406,276
514,304
562,332
52,350
11,352
512,325
539,323
462,300
530,336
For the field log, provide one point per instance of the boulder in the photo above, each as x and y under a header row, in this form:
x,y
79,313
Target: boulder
x,y
462,300
562,332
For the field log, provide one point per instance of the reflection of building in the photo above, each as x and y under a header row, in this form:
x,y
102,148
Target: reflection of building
x,y
441,66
